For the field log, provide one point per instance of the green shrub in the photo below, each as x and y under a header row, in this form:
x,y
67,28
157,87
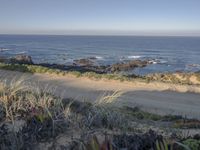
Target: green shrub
x,y
192,144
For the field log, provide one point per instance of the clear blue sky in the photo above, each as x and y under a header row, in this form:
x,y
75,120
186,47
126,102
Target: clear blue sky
x,y
100,17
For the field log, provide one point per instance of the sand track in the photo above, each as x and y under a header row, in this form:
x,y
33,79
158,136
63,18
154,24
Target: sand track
x,y
154,97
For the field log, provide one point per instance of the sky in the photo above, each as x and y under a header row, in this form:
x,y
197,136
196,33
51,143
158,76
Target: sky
x,y
100,17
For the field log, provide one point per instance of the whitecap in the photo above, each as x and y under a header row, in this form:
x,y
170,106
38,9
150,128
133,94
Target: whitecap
x,y
158,61
4,49
18,53
153,62
98,57
134,57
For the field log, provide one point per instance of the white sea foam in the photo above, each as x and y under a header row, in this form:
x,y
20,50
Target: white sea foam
x,y
23,52
98,57
4,49
134,57
157,61
153,61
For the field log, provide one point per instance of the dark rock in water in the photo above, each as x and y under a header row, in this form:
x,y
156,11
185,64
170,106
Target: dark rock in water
x,y
129,65
74,67
19,59
92,58
22,59
84,62
86,65
81,65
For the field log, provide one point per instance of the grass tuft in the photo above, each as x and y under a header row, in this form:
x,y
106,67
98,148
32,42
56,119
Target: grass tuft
x,y
31,115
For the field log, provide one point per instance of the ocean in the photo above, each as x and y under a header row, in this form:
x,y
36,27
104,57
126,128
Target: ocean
x,y
168,54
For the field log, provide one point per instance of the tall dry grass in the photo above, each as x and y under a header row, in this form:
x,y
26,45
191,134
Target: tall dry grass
x,y
20,99
37,106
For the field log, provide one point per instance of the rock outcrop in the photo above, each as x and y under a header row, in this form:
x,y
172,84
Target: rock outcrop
x,y
129,65
82,65
21,59
84,62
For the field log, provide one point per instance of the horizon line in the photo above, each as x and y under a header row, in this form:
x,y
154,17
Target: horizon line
x,y
92,32
139,35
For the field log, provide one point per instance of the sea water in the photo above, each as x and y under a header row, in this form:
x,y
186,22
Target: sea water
x,y
168,54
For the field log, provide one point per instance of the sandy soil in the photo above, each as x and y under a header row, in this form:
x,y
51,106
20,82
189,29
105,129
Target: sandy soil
x,y
154,97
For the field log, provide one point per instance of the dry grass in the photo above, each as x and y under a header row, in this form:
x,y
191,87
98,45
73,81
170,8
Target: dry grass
x,y
11,97
105,100
176,78
20,101
23,102
46,117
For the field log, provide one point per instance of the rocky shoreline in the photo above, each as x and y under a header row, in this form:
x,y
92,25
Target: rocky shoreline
x,y
87,67
82,65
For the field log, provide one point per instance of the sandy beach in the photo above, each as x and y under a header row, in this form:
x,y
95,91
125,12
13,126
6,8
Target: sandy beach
x,y
154,97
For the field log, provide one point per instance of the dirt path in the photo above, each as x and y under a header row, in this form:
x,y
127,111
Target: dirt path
x,y
154,97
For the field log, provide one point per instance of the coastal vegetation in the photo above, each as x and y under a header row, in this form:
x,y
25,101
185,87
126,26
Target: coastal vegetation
x,y
175,78
33,118
87,68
